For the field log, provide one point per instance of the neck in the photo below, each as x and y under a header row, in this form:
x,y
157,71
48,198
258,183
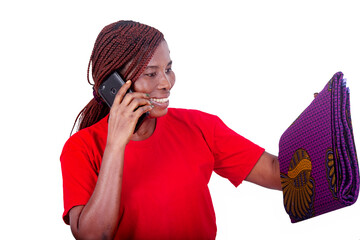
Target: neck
x,y
146,129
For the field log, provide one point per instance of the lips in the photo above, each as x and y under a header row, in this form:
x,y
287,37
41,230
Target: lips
x,y
159,100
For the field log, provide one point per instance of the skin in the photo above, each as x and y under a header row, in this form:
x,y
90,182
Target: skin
x,y
99,218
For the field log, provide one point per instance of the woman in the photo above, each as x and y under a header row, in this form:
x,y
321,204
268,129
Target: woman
x,y
151,184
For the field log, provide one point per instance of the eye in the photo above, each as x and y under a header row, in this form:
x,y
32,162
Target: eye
x,y
153,74
168,70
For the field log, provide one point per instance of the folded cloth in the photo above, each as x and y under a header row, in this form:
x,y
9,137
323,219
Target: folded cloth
x,y
318,162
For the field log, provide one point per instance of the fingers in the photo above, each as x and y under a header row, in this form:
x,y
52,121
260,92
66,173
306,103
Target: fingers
x,y
126,98
143,109
121,93
125,113
131,103
136,103
135,99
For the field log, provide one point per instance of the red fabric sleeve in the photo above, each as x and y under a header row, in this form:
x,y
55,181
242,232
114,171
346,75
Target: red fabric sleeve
x,y
235,156
79,175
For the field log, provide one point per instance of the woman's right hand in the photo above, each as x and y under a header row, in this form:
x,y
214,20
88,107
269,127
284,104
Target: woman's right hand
x,y
124,114
100,217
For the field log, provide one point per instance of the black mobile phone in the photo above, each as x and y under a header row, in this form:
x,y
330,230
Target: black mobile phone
x,y
110,87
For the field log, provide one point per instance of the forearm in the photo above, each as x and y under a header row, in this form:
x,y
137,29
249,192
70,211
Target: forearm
x,y
100,217
276,181
266,172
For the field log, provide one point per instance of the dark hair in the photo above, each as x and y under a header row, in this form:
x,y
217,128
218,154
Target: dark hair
x,y
118,44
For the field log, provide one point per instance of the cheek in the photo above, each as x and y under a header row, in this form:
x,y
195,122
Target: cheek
x,y
141,85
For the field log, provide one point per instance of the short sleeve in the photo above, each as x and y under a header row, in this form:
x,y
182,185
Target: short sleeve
x,y
234,155
79,175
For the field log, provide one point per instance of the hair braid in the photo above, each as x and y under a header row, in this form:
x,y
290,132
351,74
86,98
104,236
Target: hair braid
x,y
118,44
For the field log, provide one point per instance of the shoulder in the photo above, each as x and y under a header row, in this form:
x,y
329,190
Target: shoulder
x,y
77,140
86,138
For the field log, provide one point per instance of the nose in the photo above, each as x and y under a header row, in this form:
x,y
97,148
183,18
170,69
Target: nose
x,y
165,82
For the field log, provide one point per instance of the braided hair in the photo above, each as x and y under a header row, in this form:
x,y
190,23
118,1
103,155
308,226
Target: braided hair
x,y
117,45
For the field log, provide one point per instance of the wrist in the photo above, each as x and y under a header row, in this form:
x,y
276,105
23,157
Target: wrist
x,y
114,150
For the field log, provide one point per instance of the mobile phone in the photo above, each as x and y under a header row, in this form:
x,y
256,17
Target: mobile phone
x,y
110,87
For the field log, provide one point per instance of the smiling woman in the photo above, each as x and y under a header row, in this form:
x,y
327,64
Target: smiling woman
x,y
151,184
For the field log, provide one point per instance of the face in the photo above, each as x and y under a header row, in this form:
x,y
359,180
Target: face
x,y
157,80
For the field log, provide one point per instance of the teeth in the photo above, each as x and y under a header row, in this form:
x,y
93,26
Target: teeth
x,y
159,100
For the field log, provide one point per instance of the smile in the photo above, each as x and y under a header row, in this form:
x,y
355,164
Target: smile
x,y
159,100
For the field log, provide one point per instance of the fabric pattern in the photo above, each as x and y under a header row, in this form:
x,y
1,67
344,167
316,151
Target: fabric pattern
x,y
318,162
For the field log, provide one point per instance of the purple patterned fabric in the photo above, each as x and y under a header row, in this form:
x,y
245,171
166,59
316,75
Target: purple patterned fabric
x,y
318,162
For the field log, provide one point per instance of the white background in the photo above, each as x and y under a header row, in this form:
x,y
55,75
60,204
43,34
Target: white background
x,y
256,64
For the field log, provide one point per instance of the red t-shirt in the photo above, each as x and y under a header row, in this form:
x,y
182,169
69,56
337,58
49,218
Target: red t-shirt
x,y
165,191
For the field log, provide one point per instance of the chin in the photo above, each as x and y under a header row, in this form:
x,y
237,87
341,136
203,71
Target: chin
x,y
156,113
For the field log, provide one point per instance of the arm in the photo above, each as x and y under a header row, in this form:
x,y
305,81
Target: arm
x,y
266,172
100,217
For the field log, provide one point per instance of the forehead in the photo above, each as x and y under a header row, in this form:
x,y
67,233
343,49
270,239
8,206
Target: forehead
x,y
161,55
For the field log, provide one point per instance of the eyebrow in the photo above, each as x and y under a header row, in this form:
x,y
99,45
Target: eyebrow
x,y
170,63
